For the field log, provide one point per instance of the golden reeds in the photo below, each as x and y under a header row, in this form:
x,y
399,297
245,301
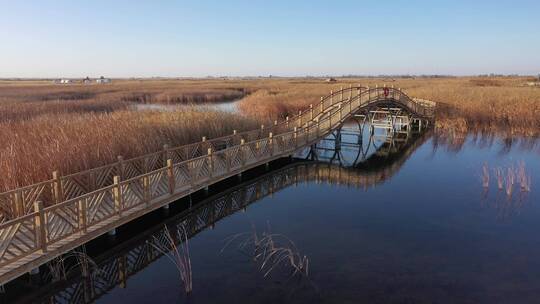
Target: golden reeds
x,y
32,149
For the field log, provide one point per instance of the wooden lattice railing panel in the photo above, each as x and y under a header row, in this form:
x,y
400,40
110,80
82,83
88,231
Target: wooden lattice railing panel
x,y
18,238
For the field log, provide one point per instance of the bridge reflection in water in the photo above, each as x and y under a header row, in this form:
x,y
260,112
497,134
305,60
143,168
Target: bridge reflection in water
x,y
353,156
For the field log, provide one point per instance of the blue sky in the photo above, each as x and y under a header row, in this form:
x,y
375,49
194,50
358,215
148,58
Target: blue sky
x,y
288,38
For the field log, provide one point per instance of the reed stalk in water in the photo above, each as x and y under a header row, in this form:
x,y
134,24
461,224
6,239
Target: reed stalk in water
x,y
179,255
270,251
75,259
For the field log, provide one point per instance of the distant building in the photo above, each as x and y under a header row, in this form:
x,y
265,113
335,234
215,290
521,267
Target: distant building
x,y
103,80
63,81
330,80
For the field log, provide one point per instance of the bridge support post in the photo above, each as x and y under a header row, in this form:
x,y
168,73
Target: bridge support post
x,y
34,271
112,232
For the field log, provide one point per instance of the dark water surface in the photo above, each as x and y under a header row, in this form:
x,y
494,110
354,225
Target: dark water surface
x,y
415,228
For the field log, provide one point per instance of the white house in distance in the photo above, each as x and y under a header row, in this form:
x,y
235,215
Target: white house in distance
x,y
103,80
63,81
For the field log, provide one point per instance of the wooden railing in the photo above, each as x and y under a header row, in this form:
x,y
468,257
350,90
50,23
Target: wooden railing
x,y
19,202
104,200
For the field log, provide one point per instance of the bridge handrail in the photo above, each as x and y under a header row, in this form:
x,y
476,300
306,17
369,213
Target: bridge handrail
x,y
19,201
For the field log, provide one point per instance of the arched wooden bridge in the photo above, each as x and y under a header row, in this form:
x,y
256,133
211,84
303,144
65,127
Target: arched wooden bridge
x,y
44,220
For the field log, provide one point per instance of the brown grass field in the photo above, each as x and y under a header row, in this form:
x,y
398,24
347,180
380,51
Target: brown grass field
x,y
46,127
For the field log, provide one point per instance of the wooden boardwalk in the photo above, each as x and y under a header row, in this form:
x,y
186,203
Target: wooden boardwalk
x,y
45,220
116,266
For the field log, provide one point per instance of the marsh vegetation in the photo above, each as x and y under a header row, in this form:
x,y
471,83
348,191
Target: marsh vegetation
x,y
68,128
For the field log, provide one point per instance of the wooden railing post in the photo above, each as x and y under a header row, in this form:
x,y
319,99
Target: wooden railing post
x,y
117,193
341,95
271,144
233,141
340,115
295,136
210,162
331,97
350,93
40,226
170,176
121,167
242,154
287,121
203,144
322,105
146,189
83,203
311,112
19,209
275,122
166,154
57,184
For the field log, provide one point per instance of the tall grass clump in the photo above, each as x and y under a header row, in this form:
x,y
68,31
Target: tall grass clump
x,y
509,179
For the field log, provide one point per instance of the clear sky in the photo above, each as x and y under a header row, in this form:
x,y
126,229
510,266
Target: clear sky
x,y
116,38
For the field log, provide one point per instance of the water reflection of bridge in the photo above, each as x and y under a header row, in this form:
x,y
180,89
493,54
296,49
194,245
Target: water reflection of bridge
x,y
119,264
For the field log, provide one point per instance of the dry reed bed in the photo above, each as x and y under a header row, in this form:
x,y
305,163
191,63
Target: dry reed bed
x,y
33,148
46,127
133,91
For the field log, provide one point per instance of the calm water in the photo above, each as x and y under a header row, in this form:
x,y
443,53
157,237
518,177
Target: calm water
x,y
410,224
224,106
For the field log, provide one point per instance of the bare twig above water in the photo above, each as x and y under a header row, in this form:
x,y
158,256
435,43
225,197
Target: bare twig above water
x,y
270,251
177,254
58,270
